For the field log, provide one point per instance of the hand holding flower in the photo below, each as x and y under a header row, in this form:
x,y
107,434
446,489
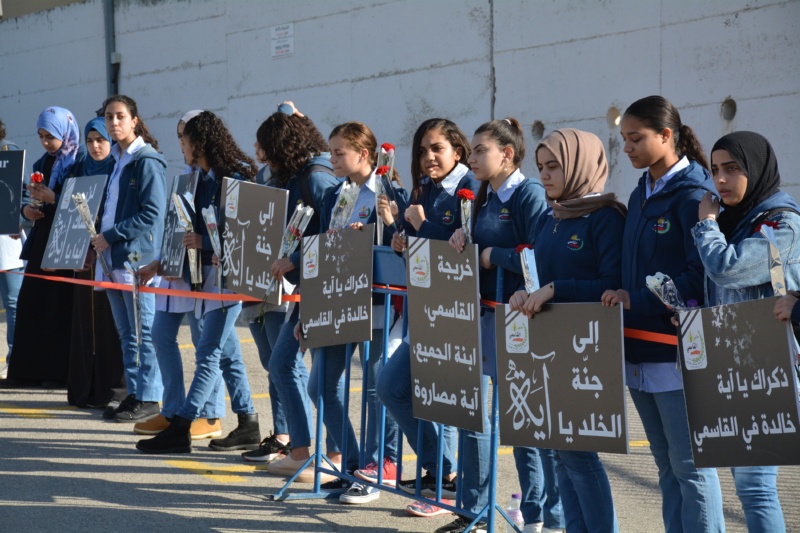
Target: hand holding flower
x,y
457,240
193,240
398,243
99,243
415,216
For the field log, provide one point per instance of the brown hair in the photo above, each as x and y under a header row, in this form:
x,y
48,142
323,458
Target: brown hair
x,y
289,142
210,137
505,132
454,136
360,137
141,128
657,113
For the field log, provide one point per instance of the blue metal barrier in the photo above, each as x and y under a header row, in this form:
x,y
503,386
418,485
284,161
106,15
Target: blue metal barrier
x,y
389,279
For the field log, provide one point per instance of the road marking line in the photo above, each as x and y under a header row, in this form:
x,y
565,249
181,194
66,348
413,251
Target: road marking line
x,y
220,474
32,412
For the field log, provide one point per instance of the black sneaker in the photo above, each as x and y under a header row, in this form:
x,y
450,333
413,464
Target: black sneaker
x,y
336,484
460,525
269,450
428,487
111,411
137,411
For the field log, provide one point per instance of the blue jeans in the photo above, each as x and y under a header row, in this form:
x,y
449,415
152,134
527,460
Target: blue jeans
x,y
337,422
394,391
585,493
374,406
757,489
165,339
541,497
218,352
143,380
691,497
265,330
9,290
477,460
290,376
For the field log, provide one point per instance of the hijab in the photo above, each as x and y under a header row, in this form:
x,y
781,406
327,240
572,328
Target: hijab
x,y
754,155
90,166
61,124
583,159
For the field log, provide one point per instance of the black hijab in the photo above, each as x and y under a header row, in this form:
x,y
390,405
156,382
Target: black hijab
x,y
754,155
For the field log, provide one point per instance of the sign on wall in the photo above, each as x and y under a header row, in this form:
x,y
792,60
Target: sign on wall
x,y
337,285
560,378
740,385
69,240
444,333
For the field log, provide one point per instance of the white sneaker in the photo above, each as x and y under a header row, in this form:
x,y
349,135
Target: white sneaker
x,y
548,530
533,528
359,493
4,372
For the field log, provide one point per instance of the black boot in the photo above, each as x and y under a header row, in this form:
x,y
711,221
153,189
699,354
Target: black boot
x,y
246,436
176,438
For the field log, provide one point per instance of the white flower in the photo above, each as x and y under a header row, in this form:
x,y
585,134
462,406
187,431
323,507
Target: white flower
x,y
134,257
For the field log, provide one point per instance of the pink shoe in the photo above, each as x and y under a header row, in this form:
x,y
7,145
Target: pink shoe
x,y
426,510
370,473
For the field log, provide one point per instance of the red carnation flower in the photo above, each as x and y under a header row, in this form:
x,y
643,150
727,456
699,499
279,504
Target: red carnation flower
x,y
387,147
466,194
771,223
37,177
382,171
295,232
523,247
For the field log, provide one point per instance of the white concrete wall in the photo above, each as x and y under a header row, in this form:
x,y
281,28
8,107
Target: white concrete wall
x,y
394,64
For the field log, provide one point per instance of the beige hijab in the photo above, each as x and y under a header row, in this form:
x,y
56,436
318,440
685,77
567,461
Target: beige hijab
x,y
583,158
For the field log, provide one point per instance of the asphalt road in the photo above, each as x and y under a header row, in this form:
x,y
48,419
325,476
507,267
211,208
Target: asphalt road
x,y
66,469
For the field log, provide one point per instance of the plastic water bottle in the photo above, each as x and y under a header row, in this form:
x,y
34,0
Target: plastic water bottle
x,y
514,514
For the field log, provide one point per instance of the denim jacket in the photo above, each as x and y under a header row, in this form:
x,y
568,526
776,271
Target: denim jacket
x,y
739,271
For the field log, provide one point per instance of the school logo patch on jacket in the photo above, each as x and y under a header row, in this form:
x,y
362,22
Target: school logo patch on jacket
x,y
575,243
505,214
447,218
364,213
661,226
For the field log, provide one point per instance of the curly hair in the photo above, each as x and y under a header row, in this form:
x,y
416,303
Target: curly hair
x,y
209,137
141,128
289,142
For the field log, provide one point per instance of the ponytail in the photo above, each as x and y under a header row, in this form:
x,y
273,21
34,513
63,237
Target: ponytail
x,y
689,145
657,113
506,132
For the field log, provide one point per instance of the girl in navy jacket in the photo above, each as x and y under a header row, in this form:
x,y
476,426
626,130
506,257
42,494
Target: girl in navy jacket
x,y
439,169
508,208
578,250
297,155
661,212
208,144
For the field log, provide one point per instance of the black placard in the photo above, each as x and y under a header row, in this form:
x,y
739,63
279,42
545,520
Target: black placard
x,y
561,381
255,216
69,239
336,285
173,252
740,385
444,333
12,168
